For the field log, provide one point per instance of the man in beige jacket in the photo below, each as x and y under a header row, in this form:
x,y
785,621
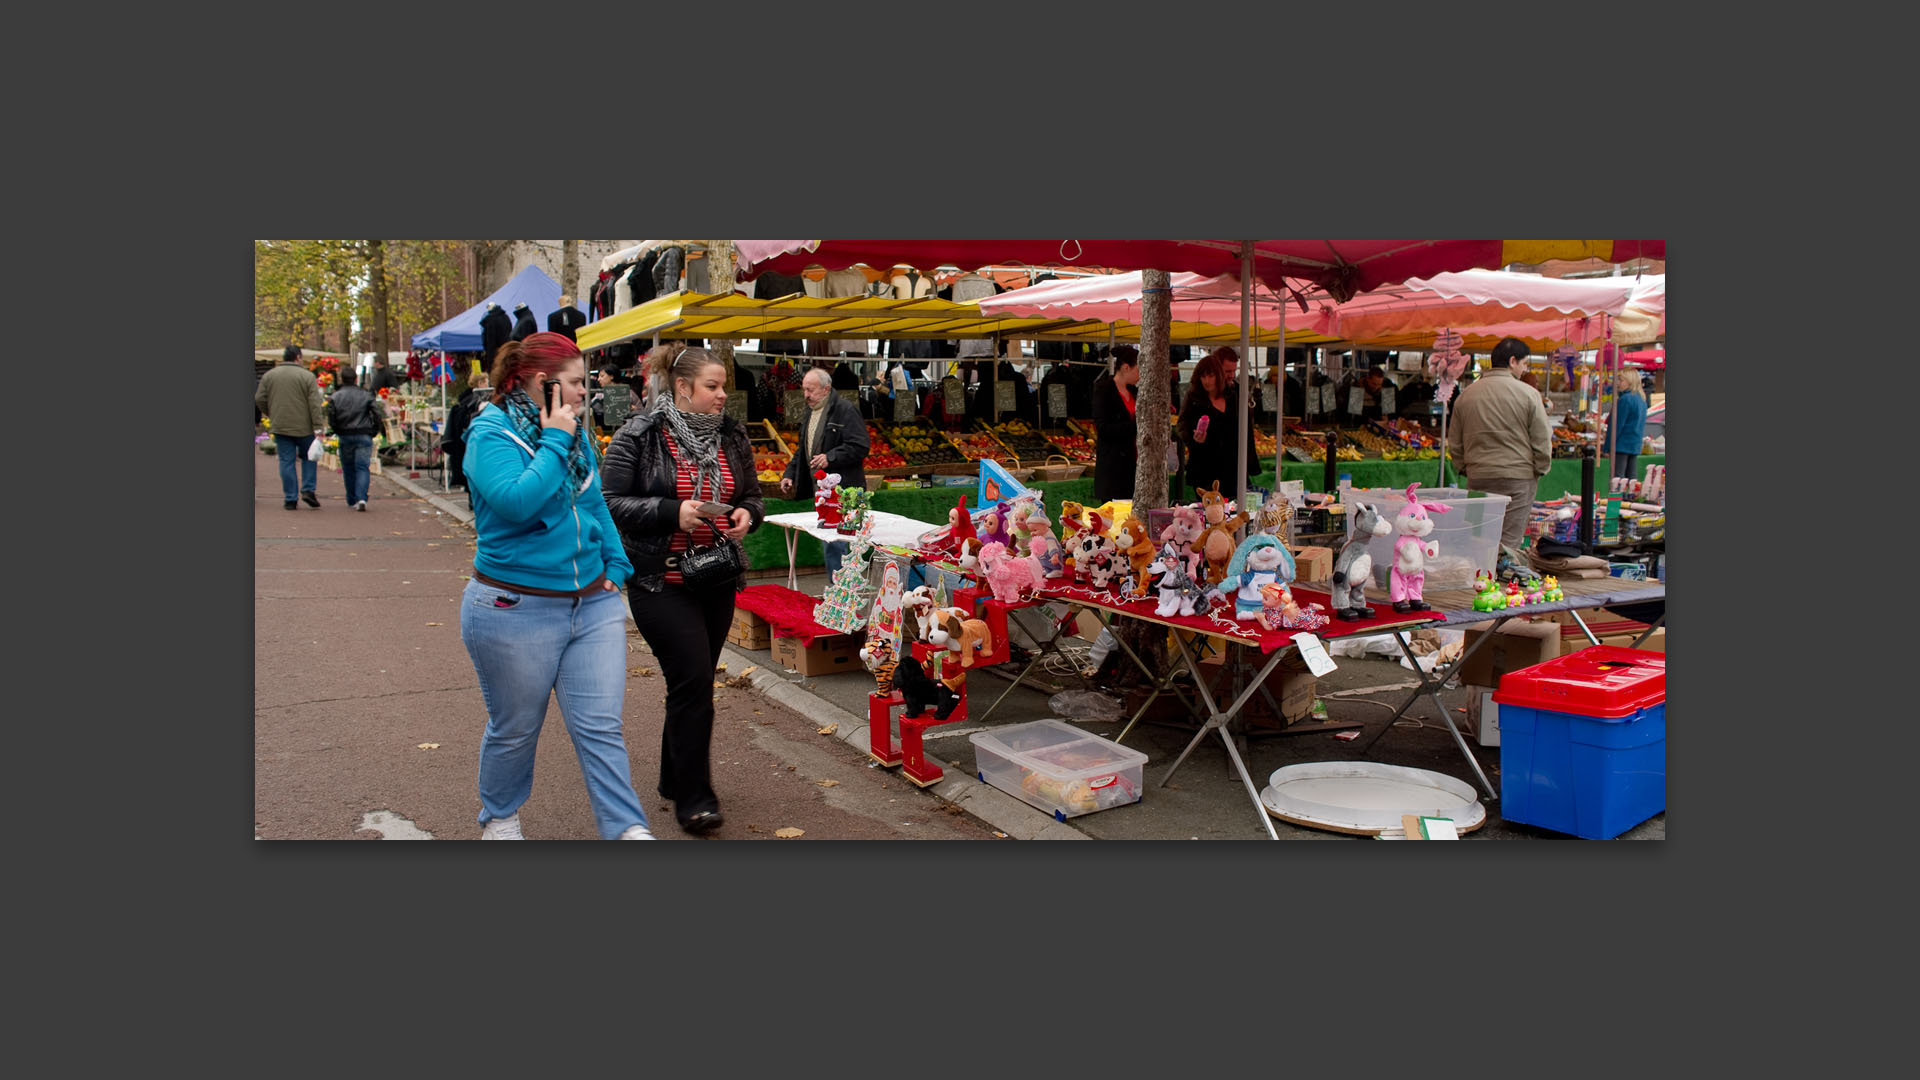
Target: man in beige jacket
x,y
289,395
1500,438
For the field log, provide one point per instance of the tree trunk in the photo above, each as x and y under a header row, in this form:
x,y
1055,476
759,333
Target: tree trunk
x,y
377,286
720,279
1152,409
570,270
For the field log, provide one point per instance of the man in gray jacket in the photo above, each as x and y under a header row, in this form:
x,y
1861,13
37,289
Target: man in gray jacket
x,y
1501,440
289,395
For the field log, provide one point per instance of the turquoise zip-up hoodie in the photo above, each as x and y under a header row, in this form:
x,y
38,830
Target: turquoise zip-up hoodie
x,y
531,532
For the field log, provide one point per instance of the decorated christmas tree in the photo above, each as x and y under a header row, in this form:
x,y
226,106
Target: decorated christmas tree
x,y
848,598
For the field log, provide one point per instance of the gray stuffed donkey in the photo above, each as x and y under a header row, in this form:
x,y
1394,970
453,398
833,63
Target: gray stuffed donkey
x,y
1354,566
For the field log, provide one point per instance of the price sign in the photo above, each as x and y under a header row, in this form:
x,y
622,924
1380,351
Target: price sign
x,y
618,401
796,406
903,408
1356,400
953,393
1057,400
736,405
1386,399
1003,396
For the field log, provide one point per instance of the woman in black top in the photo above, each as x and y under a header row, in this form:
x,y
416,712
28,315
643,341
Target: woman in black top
x,y
1116,432
1213,395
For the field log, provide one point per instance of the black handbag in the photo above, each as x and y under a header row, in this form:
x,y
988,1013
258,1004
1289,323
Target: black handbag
x,y
713,565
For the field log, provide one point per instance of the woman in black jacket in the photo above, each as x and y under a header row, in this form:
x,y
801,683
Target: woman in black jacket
x,y
661,467
1213,395
1117,435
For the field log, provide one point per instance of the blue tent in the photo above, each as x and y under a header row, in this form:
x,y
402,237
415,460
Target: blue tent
x,y
461,333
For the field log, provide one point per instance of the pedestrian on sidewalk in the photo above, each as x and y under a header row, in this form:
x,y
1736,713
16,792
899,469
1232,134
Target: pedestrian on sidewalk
x,y
355,417
289,395
542,616
453,441
663,465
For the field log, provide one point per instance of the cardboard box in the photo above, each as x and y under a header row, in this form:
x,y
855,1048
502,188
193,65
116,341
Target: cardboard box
x,y
749,631
1312,564
1572,640
1483,713
828,654
1516,645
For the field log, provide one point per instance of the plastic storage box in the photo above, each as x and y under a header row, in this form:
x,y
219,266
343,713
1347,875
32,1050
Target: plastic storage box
x,y
1583,741
1058,768
1468,535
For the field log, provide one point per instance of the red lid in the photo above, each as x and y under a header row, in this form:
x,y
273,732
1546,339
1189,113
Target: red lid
x,y
1601,680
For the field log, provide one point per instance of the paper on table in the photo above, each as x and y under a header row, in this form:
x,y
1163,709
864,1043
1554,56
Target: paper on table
x,y
1314,652
1439,828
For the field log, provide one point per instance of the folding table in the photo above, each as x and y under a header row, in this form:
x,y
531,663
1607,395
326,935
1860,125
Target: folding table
x,y
1458,610
889,530
1226,629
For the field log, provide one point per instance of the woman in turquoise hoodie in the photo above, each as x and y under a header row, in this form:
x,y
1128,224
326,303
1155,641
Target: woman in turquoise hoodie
x,y
1631,425
543,615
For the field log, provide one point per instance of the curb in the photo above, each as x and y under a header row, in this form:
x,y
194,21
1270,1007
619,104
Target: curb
x,y
984,801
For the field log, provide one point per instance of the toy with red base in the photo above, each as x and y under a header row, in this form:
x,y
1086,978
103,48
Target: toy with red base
x,y
826,498
924,703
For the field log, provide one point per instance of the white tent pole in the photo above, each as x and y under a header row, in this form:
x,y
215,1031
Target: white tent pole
x,y
1242,426
443,419
1280,392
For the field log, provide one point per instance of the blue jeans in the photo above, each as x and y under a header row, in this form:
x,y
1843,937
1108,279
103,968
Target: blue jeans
x,y
356,456
833,551
526,649
293,448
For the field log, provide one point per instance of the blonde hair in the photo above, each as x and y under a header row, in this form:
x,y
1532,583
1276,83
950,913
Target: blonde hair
x,y
675,360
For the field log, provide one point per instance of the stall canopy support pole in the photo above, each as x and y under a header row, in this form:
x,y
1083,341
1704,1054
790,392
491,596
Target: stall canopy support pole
x,y
1242,428
445,377
1280,395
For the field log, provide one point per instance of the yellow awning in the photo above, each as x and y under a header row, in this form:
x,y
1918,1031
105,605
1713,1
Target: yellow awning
x,y
721,315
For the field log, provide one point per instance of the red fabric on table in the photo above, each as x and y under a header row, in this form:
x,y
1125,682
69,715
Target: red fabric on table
x,y
1222,621
788,612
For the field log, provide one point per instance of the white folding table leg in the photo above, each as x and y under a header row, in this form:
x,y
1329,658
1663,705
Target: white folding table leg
x,y
1218,721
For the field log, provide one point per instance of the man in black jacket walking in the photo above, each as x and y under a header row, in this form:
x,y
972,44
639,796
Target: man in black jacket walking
x,y
355,417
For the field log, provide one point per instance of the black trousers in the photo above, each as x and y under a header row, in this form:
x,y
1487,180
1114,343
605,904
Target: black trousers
x,y
672,621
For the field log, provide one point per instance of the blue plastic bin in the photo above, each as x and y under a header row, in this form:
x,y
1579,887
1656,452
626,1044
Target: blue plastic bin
x,y
1583,742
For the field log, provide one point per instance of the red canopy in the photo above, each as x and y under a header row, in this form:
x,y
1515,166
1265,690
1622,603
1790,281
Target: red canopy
x,y
1343,267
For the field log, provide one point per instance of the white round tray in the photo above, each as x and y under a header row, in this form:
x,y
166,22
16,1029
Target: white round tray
x,y
1367,798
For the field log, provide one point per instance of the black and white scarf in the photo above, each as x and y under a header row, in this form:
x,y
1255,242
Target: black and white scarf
x,y
698,435
524,415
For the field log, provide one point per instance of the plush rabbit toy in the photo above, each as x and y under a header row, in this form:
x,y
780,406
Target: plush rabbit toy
x,y
1354,566
1411,552
1260,560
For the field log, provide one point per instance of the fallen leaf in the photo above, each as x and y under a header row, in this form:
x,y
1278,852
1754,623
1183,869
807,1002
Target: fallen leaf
x,y
749,671
828,783
756,712
436,624
428,746
829,729
720,667
754,828
764,723
790,768
789,832
999,834
643,672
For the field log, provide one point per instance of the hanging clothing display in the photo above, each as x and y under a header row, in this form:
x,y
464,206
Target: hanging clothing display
x,y
496,329
565,321
667,264
523,322
968,288
841,283
698,279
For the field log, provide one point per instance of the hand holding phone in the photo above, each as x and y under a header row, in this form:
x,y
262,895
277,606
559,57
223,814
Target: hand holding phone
x,y
552,389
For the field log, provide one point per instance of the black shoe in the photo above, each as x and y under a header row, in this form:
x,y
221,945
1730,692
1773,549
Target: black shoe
x,y
1367,613
1403,606
293,505
704,821
310,499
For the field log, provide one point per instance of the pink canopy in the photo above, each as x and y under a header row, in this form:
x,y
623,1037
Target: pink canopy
x,y
1344,268
1197,298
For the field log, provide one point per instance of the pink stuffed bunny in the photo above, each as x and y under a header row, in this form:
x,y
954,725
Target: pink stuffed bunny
x,y
1411,552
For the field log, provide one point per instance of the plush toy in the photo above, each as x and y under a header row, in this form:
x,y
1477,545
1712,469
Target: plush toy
x,y
1411,552
920,693
878,655
962,635
1088,545
1100,571
1049,558
826,497
916,609
1215,543
969,559
992,526
1178,590
946,542
1009,576
1516,596
1554,592
1073,516
1259,560
1487,594
1354,566
1535,589
1137,548
1188,524
1276,513
1280,612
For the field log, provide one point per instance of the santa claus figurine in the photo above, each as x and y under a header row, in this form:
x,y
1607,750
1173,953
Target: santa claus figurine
x,y
826,497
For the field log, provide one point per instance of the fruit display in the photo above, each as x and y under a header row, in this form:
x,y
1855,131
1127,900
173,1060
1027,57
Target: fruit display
x,y
1078,448
1301,448
1022,441
975,447
917,443
1410,434
1365,440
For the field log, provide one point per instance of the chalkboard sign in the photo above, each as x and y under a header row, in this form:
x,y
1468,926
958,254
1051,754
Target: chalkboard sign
x,y
796,406
1386,400
1003,396
903,407
618,402
1057,400
736,405
852,396
1356,400
953,393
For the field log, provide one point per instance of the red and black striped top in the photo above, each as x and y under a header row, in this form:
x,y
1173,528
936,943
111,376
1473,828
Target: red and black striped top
x,y
685,472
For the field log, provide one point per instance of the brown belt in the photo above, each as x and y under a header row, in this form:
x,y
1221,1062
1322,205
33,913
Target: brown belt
x,y
483,579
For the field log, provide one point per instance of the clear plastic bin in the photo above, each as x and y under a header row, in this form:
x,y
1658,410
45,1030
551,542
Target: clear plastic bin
x,y
1469,536
1058,768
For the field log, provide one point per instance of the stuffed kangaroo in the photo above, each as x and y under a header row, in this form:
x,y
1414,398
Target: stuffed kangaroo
x,y
1354,566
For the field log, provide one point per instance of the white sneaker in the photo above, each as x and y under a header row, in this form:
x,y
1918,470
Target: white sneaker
x,y
502,828
638,832
361,505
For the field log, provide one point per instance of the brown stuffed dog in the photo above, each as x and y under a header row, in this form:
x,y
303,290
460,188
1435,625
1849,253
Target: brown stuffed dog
x,y
962,635
1137,545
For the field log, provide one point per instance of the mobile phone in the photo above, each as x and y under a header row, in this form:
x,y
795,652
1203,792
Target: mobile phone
x,y
714,509
552,388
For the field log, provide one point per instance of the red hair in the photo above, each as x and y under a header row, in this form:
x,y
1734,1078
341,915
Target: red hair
x,y
518,363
